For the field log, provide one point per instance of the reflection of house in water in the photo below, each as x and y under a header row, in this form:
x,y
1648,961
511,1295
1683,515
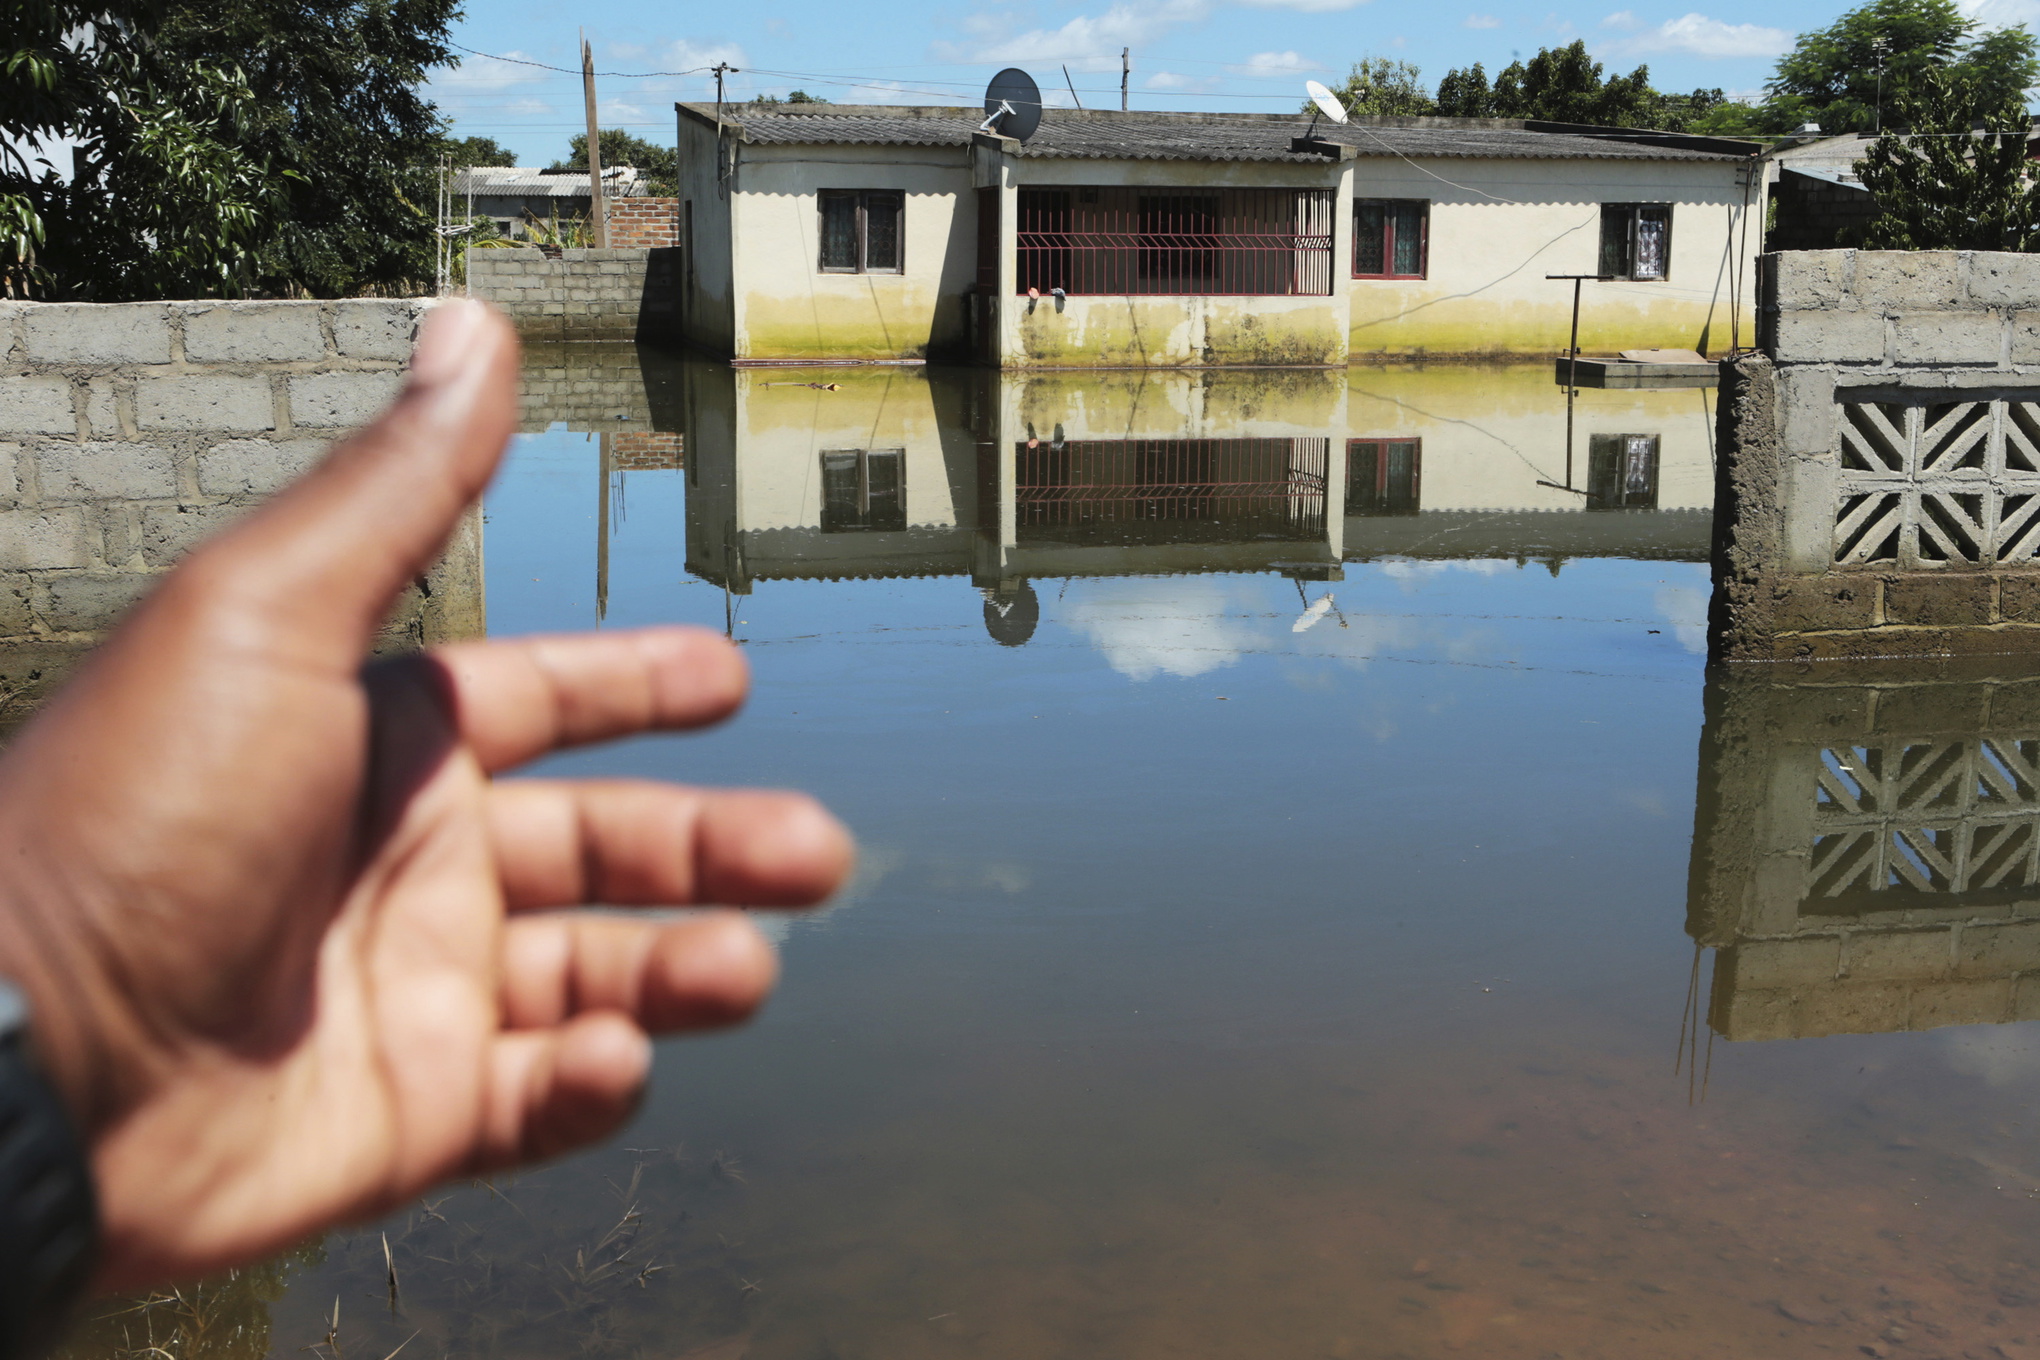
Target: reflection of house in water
x,y
1867,852
915,472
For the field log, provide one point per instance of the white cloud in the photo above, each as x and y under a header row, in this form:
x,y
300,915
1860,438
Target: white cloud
x,y
1268,65
1176,80
1086,36
1307,6
1699,36
1481,21
688,55
1623,20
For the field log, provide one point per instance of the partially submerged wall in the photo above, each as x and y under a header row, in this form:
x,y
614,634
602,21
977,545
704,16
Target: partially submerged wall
x,y
614,294
129,432
1880,474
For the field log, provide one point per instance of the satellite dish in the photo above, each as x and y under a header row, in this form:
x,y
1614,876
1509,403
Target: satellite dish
x,y
1327,102
1012,105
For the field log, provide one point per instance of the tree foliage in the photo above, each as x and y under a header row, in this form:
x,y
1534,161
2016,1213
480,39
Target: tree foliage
x,y
1832,76
1945,184
232,147
1378,85
461,152
658,164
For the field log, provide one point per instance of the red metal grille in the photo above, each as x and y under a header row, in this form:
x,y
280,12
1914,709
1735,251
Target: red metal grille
x,y
1113,241
1238,488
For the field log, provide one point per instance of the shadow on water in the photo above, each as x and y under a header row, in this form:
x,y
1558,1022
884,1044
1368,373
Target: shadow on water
x,y
1281,795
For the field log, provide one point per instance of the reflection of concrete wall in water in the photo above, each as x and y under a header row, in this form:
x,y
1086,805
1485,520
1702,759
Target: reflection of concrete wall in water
x,y
905,472
1882,459
1867,852
129,432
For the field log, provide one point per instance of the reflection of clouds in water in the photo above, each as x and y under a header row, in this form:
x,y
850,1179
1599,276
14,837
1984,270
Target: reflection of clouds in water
x,y
1685,608
1149,626
1411,574
2001,1055
874,864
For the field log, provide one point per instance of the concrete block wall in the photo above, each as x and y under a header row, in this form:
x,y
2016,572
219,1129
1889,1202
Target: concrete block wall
x,y
128,432
1878,457
644,223
613,294
1817,926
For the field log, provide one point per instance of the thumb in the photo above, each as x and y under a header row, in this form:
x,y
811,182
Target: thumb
x,y
322,561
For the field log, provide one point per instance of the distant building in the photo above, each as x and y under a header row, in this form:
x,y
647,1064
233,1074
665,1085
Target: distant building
x,y
510,193
1822,203
852,232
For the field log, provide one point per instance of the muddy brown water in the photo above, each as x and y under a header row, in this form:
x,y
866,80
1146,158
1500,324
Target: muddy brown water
x,y
1315,903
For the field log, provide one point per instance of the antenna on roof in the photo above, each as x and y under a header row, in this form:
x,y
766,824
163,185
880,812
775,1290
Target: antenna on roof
x,y
1012,105
1328,106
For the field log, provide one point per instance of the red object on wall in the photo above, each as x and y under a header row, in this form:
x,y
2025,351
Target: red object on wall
x,y
636,223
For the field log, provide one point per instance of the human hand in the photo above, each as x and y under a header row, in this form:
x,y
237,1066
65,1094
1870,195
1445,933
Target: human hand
x,y
283,937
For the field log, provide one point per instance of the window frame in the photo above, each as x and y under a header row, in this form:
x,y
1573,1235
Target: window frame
x,y
866,522
1388,238
862,198
1387,506
1631,214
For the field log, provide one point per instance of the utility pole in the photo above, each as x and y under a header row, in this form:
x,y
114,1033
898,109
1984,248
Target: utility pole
x,y
1125,70
1879,45
598,211
722,171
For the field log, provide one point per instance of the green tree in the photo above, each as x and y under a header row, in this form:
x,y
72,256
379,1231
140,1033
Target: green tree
x,y
466,151
1833,75
1959,179
1378,85
236,146
660,165
1560,85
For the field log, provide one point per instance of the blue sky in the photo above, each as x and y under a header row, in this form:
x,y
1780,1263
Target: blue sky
x,y
1246,55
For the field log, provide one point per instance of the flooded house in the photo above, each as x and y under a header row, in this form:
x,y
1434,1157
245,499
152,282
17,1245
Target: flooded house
x,y
1153,239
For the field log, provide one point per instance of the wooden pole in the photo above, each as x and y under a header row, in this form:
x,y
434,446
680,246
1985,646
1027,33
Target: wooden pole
x,y
598,210
1125,70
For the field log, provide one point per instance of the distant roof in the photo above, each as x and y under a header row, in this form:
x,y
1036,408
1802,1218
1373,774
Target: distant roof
x,y
520,181
1109,134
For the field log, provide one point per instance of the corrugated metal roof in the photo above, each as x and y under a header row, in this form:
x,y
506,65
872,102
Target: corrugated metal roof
x,y
519,181
1108,134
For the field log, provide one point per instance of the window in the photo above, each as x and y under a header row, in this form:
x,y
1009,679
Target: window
x,y
1382,476
1636,240
864,490
861,230
1391,238
1622,471
1125,491
1111,240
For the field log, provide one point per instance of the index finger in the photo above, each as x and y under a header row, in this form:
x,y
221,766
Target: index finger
x,y
514,700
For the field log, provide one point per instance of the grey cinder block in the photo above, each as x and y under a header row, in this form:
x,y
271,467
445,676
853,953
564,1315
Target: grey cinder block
x,y
1948,338
42,540
241,467
252,332
2001,279
203,401
376,329
1910,280
95,602
105,471
37,404
170,531
340,399
1829,337
97,333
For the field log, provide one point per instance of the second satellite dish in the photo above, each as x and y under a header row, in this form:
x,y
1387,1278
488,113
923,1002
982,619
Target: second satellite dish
x,y
1012,105
1327,102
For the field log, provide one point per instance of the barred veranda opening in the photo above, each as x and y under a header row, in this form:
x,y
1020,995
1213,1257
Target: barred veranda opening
x,y
1113,241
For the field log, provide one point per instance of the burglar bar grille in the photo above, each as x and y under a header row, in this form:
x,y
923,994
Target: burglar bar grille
x,y
1259,484
1109,242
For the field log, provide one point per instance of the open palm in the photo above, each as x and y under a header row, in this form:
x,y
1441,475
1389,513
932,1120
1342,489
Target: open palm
x,y
286,940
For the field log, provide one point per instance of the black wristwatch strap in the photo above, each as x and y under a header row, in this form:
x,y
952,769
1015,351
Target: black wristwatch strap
x,y
49,1216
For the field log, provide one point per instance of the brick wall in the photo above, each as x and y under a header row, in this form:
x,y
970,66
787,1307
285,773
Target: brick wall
x,y
613,294
128,432
1879,484
1818,214
640,223
645,452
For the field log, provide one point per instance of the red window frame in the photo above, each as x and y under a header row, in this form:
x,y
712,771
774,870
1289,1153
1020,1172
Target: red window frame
x,y
1423,207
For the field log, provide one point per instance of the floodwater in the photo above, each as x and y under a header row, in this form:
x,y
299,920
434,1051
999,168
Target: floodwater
x,y
1315,903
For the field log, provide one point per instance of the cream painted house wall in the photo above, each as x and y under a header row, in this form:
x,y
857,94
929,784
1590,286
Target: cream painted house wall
x,y
1498,227
786,307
